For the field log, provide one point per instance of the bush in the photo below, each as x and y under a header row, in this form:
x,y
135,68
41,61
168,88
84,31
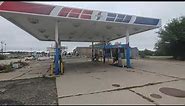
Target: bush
x,y
6,68
142,55
2,67
2,57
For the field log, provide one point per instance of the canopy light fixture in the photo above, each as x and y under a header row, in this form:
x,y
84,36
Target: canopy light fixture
x,y
108,27
72,33
46,36
118,34
41,30
136,29
76,24
33,20
89,37
70,37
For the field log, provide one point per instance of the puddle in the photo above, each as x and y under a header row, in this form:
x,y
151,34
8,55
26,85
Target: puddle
x,y
156,96
173,92
115,85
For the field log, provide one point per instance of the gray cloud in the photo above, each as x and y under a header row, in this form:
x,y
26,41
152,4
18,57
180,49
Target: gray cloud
x,y
17,39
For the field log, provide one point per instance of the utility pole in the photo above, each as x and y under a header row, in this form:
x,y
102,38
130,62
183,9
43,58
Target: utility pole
x,y
5,47
2,47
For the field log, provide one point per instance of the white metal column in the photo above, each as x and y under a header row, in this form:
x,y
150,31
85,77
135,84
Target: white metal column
x,y
57,57
56,34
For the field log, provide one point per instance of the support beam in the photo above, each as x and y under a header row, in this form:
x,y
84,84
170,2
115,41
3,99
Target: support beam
x,y
127,49
57,51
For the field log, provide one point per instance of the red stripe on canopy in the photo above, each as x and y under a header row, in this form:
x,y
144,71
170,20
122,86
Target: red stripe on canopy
x,y
27,7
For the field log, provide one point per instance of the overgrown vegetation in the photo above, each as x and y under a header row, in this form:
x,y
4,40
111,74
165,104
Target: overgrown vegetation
x,y
9,67
172,39
6,68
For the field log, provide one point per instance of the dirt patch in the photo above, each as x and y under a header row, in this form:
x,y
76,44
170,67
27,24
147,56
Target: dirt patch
x,y
36,91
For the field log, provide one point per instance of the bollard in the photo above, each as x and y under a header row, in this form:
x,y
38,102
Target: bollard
x,y
62,67
51,66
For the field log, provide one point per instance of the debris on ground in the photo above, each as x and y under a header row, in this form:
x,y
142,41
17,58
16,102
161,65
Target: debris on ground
x,y
4,68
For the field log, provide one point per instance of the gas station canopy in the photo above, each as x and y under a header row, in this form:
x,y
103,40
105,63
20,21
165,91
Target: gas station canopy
x,y
74,24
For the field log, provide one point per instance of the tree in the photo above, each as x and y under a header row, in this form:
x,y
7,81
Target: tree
x,y
172,39
145,53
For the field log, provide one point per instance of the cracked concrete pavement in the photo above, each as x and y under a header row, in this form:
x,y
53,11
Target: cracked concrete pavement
x,y
86,82
91,83
35,69
27,86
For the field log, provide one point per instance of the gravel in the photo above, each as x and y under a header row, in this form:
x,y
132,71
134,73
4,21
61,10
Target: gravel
x,y
34,91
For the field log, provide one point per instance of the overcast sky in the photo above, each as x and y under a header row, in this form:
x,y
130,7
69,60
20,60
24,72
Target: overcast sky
x,y
18,39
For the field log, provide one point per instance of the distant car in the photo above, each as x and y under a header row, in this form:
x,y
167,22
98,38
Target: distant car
x,y
29,58
64,53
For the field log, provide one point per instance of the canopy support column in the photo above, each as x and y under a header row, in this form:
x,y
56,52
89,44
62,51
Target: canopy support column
x,y
104,52
111,53
60,58
119,57
57,51
92,51
127,49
